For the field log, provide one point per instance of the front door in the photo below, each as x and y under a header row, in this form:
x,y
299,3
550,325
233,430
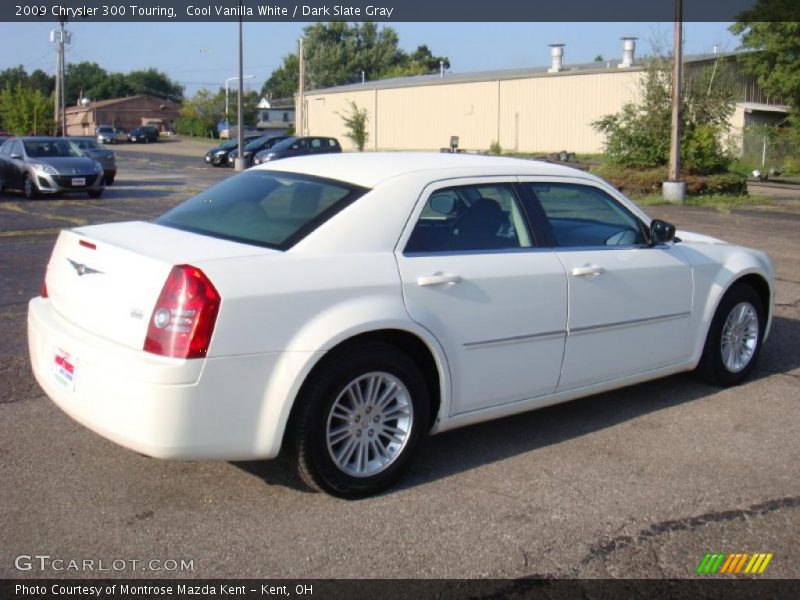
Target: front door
x,y
629,302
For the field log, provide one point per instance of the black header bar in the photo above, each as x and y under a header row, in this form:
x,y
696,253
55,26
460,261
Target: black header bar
x,y
392,10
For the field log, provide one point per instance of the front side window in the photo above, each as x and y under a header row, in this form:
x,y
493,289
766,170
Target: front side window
x,y
582,215
472,217
264,208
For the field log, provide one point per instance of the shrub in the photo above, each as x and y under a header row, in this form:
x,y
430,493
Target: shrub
x,y
495,148
355,124
639,134
638,182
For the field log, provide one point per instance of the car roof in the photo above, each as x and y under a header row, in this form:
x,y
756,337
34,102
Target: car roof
x,y
368,169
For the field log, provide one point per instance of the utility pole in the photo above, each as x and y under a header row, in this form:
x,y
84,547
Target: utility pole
x,y
63,40
301,91
674,190
60,37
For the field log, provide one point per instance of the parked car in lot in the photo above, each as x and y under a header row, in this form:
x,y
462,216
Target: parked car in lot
x,y
343,307
298,146
218,156
253,147
48,165
106,134
144,134
93,149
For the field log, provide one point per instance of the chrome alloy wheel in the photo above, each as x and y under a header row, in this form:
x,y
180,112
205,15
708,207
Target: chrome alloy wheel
x,y
739,337
369,424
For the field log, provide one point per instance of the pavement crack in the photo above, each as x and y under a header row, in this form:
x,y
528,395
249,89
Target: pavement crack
x,y
606,549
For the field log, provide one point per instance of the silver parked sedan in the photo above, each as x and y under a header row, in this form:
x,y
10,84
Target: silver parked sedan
x,y
48,165
93,149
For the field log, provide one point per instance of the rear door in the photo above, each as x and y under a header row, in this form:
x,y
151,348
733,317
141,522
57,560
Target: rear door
x,y
629,302
473,275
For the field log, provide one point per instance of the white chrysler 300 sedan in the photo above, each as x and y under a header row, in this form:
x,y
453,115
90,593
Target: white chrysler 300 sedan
x,y
343,306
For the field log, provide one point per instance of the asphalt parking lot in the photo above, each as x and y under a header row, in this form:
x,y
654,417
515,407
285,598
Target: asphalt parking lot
x,y
640,482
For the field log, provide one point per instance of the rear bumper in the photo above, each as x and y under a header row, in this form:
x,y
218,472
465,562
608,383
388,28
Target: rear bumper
x,y
215,408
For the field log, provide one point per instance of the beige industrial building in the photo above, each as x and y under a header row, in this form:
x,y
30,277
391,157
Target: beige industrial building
x,y
538,109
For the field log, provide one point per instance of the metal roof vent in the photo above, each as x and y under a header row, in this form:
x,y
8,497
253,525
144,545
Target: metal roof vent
x,y
557,58
628,52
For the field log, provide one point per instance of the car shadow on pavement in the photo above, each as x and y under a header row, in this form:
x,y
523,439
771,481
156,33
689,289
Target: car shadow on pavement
x,y
128,183
462,450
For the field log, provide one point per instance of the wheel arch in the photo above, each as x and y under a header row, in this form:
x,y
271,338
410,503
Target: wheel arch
x,y
753,275
415,341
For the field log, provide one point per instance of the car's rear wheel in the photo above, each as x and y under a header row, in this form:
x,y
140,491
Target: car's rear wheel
x,y
734,338
29,188
360,420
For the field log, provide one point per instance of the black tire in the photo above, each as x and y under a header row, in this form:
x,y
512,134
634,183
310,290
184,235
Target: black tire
x,y
95,194
713,367
327,385
29,188
109,179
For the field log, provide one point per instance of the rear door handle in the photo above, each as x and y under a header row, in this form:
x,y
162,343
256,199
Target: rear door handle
x,y
438,279
589,271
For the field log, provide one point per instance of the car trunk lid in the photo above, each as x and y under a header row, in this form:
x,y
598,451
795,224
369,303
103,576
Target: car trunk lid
x,y
106,279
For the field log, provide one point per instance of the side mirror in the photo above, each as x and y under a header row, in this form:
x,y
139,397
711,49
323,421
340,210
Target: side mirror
x,y
661,232
16,156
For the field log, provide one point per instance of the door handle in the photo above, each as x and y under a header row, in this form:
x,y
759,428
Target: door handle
x,y
438,279
588,271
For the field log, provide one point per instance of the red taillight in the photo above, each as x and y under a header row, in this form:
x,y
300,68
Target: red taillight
x,y
43,290
184,316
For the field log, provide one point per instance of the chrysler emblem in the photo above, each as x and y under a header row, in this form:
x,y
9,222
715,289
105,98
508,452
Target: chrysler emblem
x,y
82,269
76,171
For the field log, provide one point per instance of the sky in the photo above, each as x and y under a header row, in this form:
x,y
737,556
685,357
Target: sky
x,y
205,54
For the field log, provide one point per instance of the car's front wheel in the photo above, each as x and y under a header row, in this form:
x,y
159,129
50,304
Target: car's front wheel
x,y
29,188
95,194
734,338
360,420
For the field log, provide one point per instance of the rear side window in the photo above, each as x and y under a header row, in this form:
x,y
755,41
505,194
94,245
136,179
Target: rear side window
x,y
581,215
471,217
264,208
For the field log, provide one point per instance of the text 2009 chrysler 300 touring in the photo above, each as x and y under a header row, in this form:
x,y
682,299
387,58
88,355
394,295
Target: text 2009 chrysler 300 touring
x,y
343,306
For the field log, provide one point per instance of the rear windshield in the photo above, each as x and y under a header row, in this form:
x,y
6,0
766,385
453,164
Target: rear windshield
x,y
264,208
105,130
88,145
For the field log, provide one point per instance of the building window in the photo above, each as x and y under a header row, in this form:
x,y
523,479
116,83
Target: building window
x,y
285,117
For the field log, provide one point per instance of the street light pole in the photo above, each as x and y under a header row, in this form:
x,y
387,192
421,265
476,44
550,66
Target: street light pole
x,y
227,81
239,163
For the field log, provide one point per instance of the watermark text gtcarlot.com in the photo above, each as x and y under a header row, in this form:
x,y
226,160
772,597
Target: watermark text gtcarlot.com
x,y
45,562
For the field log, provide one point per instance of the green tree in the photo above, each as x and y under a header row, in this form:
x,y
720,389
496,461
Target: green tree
x,y
771,32
337,53
200,114
152,81
282,83
84,80
355,124
25,110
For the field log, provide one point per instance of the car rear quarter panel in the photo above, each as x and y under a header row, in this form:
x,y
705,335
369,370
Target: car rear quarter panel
x,y
301,306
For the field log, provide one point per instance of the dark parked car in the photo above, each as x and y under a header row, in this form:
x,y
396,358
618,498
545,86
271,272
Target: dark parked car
x,y
93,149
48,165
218,156
298,146
145,134
265,142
